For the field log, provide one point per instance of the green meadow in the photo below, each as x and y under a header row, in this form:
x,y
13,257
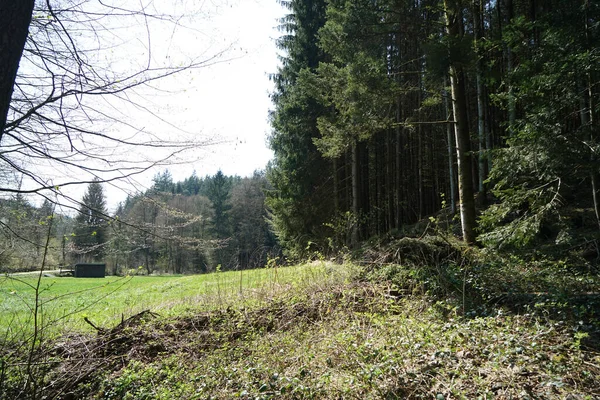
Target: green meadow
x,y
64,302
312,331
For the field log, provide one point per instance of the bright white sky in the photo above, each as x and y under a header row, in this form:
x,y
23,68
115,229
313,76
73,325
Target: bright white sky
x,y
231,100
228,101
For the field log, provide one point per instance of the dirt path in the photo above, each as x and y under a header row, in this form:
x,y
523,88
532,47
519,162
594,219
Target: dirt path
x,y
52,272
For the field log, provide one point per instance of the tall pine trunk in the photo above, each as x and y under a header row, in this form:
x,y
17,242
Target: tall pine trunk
x,y
461,128
355,200
588,120
477,24
512,103
336,189
451,150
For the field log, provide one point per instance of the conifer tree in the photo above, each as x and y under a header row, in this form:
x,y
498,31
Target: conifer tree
x,y
91,233
454,28
550,158
218,193
300,201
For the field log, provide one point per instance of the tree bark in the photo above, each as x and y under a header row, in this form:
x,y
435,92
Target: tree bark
x,y
451,151
398,168
364,192
336,189
461,129
15,17
420,152
512,104
480,99
355,202
588,120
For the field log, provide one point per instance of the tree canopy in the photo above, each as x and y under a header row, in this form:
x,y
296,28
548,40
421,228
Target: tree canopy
x,y
400,108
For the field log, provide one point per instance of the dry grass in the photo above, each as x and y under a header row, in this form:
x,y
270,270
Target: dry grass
x,y
330,337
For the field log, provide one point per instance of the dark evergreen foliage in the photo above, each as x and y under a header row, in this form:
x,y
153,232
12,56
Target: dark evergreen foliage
x,y
301,201
369,93
384,113
91,233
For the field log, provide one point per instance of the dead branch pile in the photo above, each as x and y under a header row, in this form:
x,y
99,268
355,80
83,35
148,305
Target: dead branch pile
x,y
82,361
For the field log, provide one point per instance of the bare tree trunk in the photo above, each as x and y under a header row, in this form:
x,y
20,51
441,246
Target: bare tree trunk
x,y
512,105
364,190
595,194
336,184
481,134
15,17
398,166
461,129
594,171
420,166
477,4
587,120
488,136
585,114
355,205
451,150
389,181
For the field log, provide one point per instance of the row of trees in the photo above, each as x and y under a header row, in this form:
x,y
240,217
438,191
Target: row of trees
x,y
387,110
66,101
70,108
384,111
23,232
193,225
196,225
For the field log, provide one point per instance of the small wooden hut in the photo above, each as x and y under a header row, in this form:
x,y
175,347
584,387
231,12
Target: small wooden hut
x,y
90,270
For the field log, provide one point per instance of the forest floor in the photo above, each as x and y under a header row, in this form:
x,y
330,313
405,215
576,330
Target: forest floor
x,y
443,323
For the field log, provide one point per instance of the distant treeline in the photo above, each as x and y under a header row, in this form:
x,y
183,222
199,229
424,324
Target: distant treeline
x,y
195,225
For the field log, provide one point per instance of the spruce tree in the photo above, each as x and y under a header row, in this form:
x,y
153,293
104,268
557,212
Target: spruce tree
x,y
91,232
219,189
300,201
550,160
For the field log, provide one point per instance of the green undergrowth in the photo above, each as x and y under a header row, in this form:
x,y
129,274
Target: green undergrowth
x,y
355,340
420,319
480,280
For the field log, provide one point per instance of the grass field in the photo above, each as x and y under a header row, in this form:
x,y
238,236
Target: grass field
x,y
314,331
65,301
